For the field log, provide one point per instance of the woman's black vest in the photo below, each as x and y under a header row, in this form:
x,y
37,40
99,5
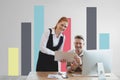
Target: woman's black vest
x,y
46,62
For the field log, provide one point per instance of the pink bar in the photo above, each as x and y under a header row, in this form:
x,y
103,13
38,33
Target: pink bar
x,y
67,44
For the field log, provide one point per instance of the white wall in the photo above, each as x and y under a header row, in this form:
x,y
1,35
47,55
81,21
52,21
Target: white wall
x,y
13,12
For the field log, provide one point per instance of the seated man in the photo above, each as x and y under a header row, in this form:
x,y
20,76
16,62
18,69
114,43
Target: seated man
x,y
76,65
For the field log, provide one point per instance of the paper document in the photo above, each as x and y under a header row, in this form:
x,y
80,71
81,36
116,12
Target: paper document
x,y
57,76
68,56
52,76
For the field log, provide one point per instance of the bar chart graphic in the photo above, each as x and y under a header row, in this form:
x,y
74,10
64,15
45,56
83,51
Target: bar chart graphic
x,y
38,30
13,67
91,28
25,48
67,44
104,41
26,35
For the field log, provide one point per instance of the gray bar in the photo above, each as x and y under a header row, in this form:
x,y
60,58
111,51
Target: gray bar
x,y
25,48
91,28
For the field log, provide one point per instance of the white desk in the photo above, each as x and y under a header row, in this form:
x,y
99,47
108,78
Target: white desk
x,y
44,76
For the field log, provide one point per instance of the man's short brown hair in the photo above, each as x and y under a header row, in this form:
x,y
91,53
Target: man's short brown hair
x,y
79,37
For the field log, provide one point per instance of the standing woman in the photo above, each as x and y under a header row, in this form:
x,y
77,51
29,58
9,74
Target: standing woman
x,y
51,41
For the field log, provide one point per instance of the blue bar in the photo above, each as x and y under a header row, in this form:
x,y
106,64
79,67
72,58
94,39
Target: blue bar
x,y
104,41
38,30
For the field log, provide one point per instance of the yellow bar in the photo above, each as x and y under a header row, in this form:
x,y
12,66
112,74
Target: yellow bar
x,y
13,62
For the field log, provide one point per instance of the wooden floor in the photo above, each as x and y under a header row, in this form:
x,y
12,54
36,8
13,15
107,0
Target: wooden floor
x,y
13,77
17,77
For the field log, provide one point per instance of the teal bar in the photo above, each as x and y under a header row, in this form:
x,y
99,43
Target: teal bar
x,y
38,30
104,41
